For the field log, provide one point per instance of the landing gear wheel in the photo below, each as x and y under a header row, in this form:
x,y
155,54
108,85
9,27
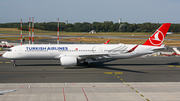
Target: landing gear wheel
x,y
85,63
90,65
14,65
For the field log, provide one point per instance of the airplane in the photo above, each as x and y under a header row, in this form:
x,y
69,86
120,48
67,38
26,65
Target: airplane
x,y
6,44
2,92
72,54
107,41
168,33
175,52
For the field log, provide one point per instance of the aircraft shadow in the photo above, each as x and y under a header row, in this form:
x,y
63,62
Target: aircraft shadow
x,y
174,63
81,66
39,65
101,65
138,64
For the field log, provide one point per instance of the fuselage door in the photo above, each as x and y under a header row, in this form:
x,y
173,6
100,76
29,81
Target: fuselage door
x,y
97,49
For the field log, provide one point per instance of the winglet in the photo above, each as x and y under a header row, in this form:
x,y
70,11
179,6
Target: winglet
x,y
132,49
158,37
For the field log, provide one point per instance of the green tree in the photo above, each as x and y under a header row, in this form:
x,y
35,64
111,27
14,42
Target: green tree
x,y
122,27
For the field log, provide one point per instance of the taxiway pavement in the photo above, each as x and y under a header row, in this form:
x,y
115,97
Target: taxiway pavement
x,y
150,69
126,91
137,79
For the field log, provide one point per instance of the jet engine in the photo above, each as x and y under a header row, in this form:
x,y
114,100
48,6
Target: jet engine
x,y
68,61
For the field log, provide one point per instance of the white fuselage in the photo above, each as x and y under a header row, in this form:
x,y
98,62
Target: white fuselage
x,y
55,51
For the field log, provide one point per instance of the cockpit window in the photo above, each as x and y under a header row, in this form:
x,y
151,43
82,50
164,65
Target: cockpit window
x,y
9,50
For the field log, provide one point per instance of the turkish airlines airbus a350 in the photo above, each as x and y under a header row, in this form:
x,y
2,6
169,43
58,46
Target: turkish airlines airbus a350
x,y
72,54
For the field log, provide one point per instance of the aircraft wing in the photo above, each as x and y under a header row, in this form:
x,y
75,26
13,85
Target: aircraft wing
x,y
93,55
87,55
2,92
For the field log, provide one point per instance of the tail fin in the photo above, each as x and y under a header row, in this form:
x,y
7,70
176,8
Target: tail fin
x,y
158,37
107,41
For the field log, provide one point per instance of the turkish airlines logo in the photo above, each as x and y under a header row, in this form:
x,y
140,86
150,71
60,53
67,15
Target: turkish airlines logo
x,y
157,38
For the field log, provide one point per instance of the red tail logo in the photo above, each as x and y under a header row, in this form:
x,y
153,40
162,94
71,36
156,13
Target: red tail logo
x,y
158,37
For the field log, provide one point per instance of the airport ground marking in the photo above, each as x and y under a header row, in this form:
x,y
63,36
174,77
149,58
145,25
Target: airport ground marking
x,y
142,95
147,100
118,72
177,66
64,94
170,65
130,86
84,94
108,72
7,62
115,73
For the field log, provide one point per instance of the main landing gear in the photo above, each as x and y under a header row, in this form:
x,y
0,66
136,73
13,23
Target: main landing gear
x,y
14,63
88,64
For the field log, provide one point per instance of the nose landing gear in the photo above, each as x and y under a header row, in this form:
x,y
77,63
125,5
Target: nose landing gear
x,y
14,63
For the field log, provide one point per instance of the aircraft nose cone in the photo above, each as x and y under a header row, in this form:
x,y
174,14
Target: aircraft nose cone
x,y
4,55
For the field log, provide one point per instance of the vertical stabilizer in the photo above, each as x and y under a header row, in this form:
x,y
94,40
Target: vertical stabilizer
x,y
107,41
158,37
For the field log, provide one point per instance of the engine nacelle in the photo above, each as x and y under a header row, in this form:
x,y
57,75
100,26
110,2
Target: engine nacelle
x,y
68,61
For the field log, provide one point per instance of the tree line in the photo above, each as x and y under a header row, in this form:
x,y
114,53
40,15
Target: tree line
x,y
106,26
